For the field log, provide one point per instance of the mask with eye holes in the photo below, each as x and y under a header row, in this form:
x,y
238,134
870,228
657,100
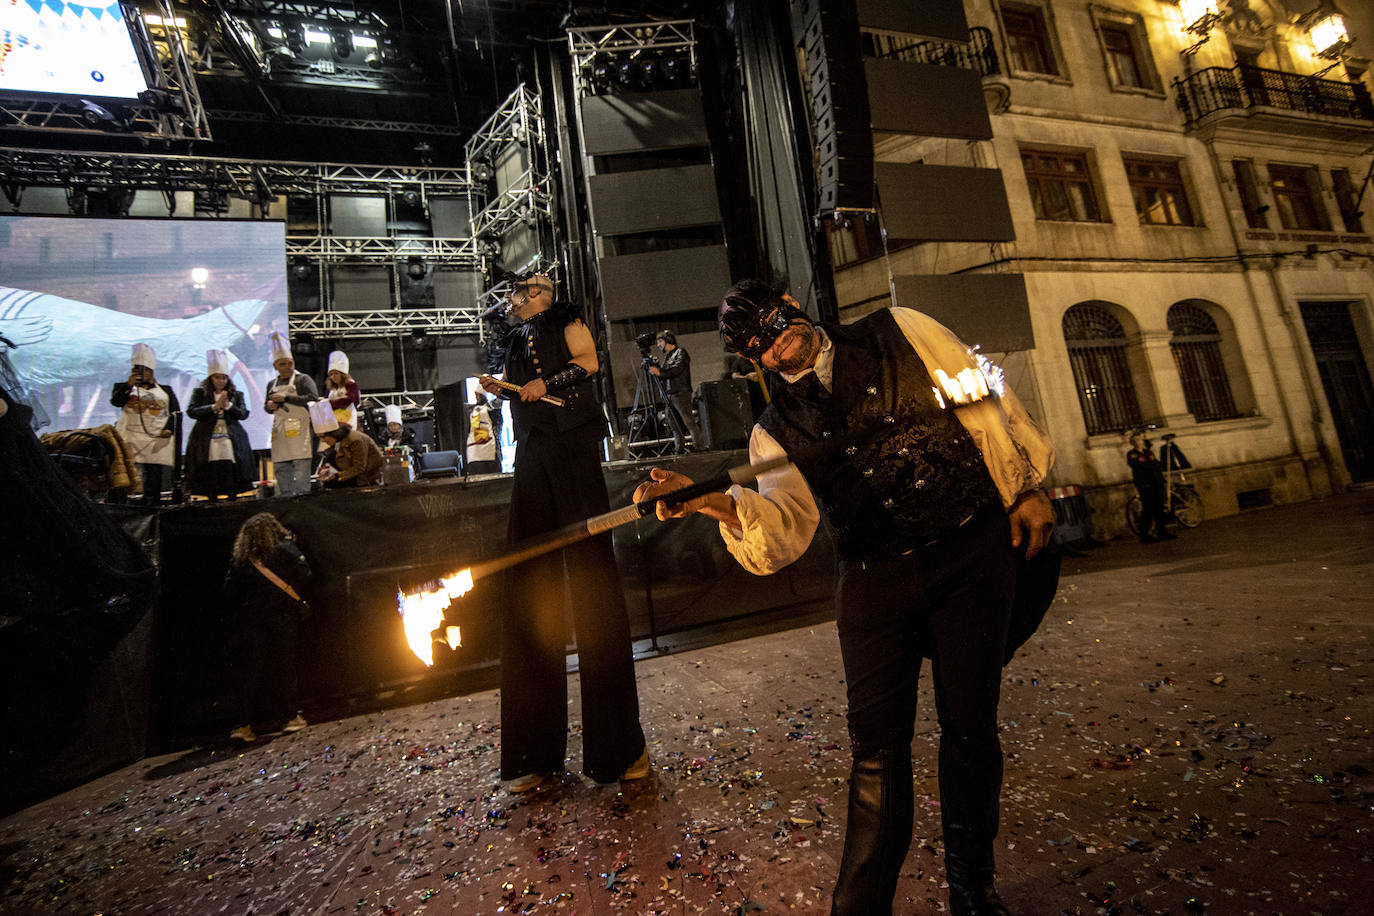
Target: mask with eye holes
x,y
753,315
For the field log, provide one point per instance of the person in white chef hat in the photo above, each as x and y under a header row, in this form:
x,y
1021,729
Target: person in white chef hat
x,y
149,424
219,460
289,394
341,390
397,434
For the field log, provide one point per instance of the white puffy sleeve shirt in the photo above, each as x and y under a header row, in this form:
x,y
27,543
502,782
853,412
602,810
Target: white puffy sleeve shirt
x,y
779,521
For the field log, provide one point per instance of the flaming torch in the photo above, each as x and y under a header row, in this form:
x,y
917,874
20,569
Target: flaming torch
x,y
422,609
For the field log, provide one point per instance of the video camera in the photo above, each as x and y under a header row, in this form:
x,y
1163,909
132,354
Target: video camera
x,y
645,342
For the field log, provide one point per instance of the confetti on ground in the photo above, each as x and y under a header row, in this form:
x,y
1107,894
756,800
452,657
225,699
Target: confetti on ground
x,y
1133,784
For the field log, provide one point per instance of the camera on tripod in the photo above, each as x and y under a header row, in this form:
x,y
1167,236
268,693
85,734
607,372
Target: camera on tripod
x,y
645,342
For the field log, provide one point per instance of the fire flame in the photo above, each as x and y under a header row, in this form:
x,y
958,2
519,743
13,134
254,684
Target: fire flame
x,y
422,612
969,384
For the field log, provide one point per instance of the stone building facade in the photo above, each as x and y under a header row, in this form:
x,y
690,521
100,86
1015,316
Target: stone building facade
x,y
1189,222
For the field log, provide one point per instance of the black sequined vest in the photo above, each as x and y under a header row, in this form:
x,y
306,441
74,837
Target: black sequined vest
x,y
892,469
538,349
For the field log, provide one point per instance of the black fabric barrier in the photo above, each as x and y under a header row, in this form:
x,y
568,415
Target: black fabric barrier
x,y
76,602
362,544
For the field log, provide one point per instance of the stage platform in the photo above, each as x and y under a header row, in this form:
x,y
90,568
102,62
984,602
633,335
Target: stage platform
x,y
1189,732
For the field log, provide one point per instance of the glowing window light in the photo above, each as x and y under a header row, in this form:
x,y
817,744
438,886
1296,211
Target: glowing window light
x,y
1197,11
1329,34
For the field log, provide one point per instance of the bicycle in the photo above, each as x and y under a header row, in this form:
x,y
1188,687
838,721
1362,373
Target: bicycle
x,y
1181,501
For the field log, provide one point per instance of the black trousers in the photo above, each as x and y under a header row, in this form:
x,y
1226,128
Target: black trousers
x,y
950,601
557,482
680,419
1151,505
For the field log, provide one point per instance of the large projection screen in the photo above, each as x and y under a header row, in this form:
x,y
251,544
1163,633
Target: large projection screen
x,y
70,47
76,294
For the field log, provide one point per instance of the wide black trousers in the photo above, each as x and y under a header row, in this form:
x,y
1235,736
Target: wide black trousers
x,y
558,482
950,601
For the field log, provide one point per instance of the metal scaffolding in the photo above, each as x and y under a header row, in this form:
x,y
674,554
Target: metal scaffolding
x,y
620,43
246,178
170,109
387,322
526,199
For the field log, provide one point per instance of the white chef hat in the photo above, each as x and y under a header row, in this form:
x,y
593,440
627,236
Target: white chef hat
x,y
393,413
143,355
217,361
322,417
280,344
338,360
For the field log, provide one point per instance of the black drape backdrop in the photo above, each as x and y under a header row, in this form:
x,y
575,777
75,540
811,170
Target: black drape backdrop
x,y
362,545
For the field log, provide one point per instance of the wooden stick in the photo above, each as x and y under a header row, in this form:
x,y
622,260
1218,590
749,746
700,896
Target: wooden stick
x,y
511,386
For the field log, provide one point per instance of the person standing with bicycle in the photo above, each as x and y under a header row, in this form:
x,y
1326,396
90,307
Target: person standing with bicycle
x,y
1149,483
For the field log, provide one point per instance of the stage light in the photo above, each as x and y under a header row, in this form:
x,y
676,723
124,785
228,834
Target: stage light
x,y
627,74
300,267
648,72
295,37
343,42
602,74
199,276
675,70
415,268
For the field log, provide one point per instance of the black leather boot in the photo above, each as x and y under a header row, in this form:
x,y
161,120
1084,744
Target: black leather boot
x,y
877,835
969,870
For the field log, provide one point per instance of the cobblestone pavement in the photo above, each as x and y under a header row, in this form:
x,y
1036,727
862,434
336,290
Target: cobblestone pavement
x,y
1189,732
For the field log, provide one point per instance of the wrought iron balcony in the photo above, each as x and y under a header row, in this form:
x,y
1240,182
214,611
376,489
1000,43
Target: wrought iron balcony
x,y
977,54
1244,87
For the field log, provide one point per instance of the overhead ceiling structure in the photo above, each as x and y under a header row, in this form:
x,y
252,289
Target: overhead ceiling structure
x,y
377,81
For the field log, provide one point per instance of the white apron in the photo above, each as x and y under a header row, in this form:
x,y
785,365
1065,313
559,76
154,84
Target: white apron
x,y
290,424
140,423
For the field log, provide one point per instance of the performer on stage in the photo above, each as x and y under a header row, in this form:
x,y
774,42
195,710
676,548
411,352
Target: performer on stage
x,y
398,435
219,459
351,457
289,394
343,393
929,491
558,482
149,423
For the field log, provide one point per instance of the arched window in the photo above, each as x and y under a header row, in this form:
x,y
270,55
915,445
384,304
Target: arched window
x,y
1196,344
1097,353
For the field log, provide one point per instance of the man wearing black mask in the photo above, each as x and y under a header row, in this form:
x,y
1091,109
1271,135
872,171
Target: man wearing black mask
x,y
928,472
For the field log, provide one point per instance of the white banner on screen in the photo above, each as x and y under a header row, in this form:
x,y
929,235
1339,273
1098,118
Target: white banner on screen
x,y
68,47
78,293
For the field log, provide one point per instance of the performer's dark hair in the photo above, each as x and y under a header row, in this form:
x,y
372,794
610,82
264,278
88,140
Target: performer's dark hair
x,y
742,312
208,386
667,337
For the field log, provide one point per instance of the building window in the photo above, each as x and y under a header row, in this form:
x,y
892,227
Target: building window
x,y
1196,345
1097,354
1346,199
1297,197
1061,186
1125,50
1160,198
1248,189
1028,39
1125,69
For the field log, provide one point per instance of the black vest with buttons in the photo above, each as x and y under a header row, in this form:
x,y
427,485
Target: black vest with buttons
x,y
891,468
538,349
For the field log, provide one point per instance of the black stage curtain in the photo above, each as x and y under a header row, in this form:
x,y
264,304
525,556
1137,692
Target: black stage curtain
x,y
363,544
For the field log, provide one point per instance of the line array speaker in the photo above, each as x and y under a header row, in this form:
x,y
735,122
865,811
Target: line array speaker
x,y
839,104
